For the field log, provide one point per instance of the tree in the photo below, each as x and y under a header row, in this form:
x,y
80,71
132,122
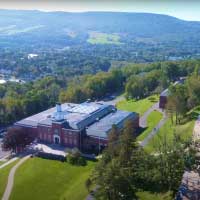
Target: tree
x,y
113,140
177,101
170,162
113,174
127,143
17,138
88,184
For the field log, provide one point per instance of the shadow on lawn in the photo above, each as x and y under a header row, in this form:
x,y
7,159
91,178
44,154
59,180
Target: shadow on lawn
x,y
140,130
153,99
191,115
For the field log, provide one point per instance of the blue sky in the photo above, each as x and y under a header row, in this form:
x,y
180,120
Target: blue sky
x,y
183,9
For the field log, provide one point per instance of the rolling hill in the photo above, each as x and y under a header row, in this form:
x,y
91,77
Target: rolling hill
x,y
63,28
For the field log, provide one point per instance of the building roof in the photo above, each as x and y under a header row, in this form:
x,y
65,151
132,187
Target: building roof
x,y
78,116
165,93
34,120
102,127
97,118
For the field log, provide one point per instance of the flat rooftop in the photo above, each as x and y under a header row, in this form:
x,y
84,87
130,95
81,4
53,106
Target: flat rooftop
x,y
103,126
77,115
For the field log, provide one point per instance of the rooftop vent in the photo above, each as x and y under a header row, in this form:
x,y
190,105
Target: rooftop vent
x,y
58,107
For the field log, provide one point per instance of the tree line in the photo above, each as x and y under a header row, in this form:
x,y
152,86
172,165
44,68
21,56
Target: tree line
x,y
184,97
138,80
125,168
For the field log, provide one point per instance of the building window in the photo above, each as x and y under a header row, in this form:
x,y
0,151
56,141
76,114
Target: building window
x,y
66,140
75,142
70,141
49,138
56,132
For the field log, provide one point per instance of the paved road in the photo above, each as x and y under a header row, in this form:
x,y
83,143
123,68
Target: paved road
x,y
143,118
9,186
143,123
114,101
154,131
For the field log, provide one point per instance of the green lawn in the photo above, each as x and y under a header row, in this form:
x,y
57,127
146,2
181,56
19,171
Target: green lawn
x,y
51,180
4,172
185,130
145,195
103,38
140,106
152,120
1,162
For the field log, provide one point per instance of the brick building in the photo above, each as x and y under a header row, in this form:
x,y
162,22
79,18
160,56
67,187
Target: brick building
x,y
85,126
163,99
164,94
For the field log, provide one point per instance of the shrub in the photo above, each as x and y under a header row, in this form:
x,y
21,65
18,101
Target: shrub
x,y
81,161
76,159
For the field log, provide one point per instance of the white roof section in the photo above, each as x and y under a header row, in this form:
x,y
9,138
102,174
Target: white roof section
x,y
102,127
78,116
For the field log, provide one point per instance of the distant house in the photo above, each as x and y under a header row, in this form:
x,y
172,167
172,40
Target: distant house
x,y
85,126
32,55
164,94
163,99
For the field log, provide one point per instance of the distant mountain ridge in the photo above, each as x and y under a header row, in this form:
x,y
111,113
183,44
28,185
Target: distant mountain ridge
x,y
54,27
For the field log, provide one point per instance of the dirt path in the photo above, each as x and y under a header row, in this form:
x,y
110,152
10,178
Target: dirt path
x,y
10,182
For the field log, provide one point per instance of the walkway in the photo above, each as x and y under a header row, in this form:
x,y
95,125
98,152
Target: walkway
x,y
143,123
8,162
11,178
154,131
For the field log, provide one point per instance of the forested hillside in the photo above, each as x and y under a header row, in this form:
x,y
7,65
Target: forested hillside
x,y
137,81
86,43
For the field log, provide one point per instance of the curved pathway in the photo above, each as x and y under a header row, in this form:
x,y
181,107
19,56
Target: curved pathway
x,y
8,162
143,122
10,182
154,131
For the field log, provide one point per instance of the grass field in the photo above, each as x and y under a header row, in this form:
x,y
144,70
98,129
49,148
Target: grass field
x,y
185,130
152,120
140,106
1,162
145,195
52,180
4,172
103,38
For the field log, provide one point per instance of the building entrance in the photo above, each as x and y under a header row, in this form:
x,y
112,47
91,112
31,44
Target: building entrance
x,y
57,140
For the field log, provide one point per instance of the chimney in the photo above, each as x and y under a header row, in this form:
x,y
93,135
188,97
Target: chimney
x,y
58,107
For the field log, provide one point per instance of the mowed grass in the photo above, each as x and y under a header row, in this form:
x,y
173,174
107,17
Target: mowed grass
x,y
103,38
146,195
4,172
1,162
51,180
152,120
140,106
185,130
